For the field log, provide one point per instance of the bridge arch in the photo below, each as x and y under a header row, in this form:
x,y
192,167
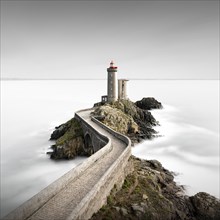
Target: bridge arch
x,y
89,148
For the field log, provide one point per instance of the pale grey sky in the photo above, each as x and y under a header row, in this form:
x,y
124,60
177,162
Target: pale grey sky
x,y
78,39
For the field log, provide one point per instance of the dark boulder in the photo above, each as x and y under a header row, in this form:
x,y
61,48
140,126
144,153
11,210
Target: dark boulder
x,y
148,103
58,132
206,207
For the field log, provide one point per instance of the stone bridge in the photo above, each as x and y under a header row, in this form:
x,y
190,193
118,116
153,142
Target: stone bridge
x,y
83,190
93,140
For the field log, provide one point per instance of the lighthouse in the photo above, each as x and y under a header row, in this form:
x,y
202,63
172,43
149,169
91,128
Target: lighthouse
x,y
112,82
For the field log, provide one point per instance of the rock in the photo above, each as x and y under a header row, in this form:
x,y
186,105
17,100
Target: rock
x,y
155,164
137,208
58,132
148,104
206,206
116,119
124,211
117,208
121,210
125,117
69,141
145,196
69,150
122,116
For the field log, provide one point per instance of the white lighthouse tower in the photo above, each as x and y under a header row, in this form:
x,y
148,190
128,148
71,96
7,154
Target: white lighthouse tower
x,y
112,82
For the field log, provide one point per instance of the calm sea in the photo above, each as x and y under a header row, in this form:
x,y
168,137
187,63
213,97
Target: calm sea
x,y
189,142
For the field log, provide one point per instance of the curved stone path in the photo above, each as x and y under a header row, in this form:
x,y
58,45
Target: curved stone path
x,y
63,203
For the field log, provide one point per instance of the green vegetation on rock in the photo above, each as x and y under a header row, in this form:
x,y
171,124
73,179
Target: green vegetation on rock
x,y
69,140
116,119
150,193
74,130
125,117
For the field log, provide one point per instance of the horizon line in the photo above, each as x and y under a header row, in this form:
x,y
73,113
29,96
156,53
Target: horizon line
x,y
20,79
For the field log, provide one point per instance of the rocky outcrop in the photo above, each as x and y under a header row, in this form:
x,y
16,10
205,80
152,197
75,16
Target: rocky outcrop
x,y
206,207
116,119
59,131
148,103
69,141
125,117
150,192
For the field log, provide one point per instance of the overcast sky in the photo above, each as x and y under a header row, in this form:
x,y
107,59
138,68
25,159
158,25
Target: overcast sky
x,y
78,39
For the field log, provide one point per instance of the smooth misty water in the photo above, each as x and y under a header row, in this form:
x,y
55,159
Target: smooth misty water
x,y
31,109
189,127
